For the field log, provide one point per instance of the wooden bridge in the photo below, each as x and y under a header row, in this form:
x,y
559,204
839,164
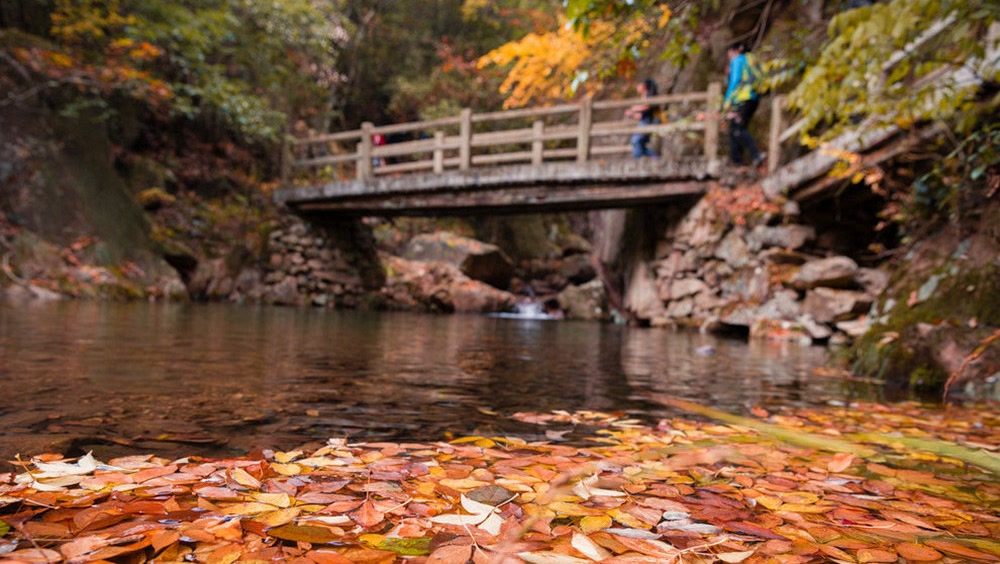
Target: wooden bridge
x,y
576,156
564,157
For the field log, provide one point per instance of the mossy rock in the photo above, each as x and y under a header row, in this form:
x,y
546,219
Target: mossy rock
x,y
943,316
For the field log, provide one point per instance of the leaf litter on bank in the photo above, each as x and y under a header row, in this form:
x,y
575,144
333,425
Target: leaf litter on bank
x,y
867,483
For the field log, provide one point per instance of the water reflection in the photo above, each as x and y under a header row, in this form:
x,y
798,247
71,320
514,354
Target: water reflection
x,y
216,380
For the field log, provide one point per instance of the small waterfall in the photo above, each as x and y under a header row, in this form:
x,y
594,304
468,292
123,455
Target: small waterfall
x,y
530,309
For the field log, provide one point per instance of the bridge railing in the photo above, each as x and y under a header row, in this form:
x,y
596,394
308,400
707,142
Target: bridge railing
x,y
580,132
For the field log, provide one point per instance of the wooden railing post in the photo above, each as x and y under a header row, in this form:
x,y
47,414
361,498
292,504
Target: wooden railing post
x,y
465,140
438,152
586,123
774,141
364,166
286,159
537,144
712,121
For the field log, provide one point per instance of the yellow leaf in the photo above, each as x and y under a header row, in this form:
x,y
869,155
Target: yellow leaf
x,y
803,508
478,441
573,509
244,479
426,489
594,523
664,18
250,508
276,499
287,469
286,457
628,520
371,539
804,498
279,517
769,502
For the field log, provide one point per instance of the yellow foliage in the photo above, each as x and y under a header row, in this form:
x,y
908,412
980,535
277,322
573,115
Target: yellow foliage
x,y
544,67
78,21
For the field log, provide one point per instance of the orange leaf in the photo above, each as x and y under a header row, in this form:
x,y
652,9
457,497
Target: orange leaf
x,y
917,552
450,554
163,538
954,547
866,555
841,461
367,515
326,556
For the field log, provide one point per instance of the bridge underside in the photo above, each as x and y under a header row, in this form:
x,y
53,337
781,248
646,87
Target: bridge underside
x,y
508,200
511,189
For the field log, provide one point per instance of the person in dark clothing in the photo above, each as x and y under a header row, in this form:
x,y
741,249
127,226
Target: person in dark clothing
x,y
738,107
646,115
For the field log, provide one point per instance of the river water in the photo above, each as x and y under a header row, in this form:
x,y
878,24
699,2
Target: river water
x,y
214,380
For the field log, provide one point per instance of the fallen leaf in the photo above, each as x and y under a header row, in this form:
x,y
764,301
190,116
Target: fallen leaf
x,y
840,462
589,548
368,515
733,557
917,552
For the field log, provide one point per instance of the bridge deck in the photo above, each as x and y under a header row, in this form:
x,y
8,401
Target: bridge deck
x,y
511,189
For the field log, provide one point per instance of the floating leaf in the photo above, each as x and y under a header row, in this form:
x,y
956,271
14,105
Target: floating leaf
x,y
840,462
917,552
450,554
304,533
367,515
405,547
594,523
491,494
551,558
734,557
589,548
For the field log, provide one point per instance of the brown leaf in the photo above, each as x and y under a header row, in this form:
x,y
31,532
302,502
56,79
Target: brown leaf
x,y
312,534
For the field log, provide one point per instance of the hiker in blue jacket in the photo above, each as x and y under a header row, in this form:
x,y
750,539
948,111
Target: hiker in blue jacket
x,y
739,105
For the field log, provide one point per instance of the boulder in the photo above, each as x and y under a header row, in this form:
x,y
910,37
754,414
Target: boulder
x,y
872,280
577,269
828,305
440,287
588,301
788,237
832,272
686,287
733,250
477,260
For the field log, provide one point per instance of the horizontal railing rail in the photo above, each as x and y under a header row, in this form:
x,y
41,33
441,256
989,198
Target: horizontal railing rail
x,y
580,132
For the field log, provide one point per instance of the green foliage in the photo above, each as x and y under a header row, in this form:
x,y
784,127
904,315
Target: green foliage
x,y
244,63
896,63
966,176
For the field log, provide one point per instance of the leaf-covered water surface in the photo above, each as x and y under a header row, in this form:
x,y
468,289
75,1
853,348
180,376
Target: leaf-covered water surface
x,y
867,483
